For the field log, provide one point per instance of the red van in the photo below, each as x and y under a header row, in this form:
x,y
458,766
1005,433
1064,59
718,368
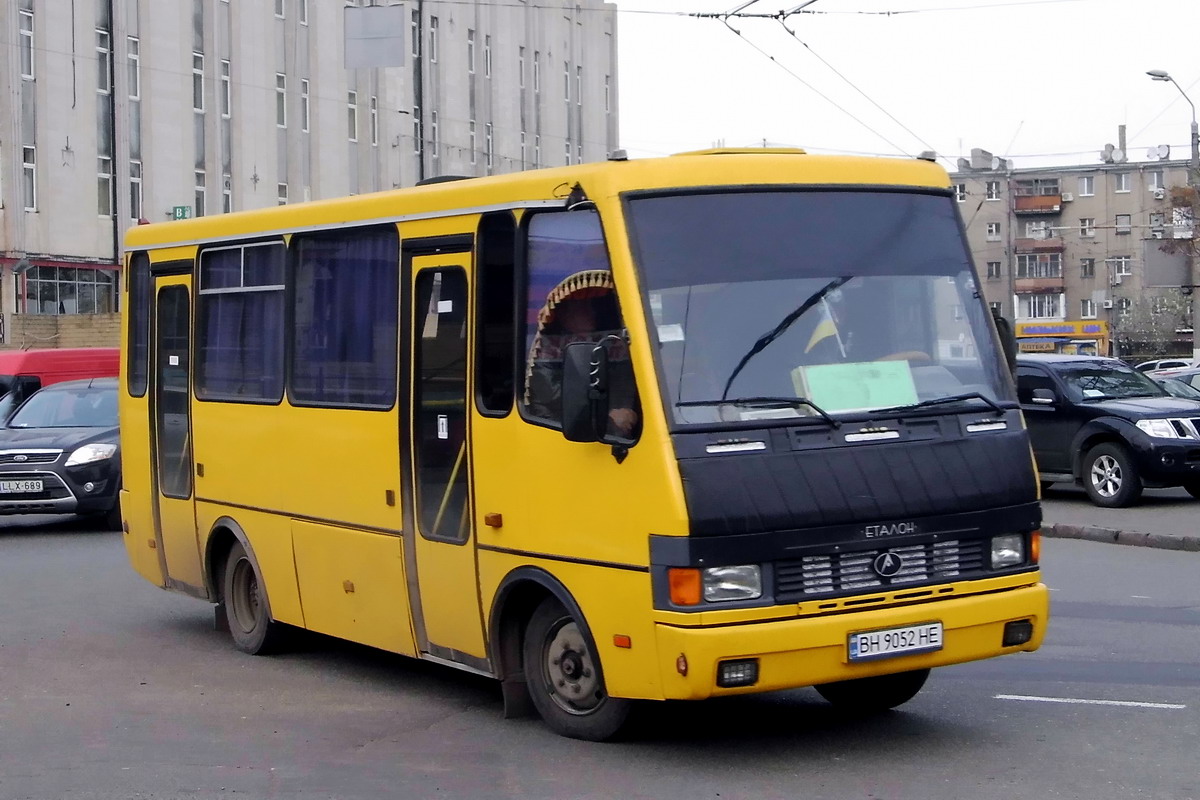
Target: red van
x,y
23,372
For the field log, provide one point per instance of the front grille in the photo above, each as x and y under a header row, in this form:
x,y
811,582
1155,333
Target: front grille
x,y
851,572
29,456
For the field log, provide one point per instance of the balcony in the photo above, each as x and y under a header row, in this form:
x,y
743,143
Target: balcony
x,y
1052,244
1029,205
1039,285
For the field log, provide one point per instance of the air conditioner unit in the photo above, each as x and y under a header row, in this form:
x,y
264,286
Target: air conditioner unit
x,y
1107,304
1160,193
1067,197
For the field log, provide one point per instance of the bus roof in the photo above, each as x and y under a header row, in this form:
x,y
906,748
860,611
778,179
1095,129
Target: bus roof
x,y
740,168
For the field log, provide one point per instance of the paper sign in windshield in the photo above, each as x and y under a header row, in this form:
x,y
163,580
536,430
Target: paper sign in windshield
x,y
857,386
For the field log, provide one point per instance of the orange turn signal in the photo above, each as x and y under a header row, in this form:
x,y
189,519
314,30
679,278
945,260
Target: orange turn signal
x,y
1035,547
685,586
621,640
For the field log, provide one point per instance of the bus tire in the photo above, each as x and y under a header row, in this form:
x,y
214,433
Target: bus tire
x,y
243,597
875,694
564,677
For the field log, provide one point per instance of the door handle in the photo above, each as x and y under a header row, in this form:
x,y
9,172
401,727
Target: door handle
x,y
493,520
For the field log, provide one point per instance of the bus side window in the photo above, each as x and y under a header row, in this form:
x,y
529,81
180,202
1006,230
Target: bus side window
x,y
496,315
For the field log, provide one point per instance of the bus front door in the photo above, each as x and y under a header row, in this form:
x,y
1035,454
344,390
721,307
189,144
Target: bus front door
x,y
439,536
171,441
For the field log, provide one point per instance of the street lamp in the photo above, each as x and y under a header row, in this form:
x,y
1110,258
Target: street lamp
x,y
1194,164
1192,179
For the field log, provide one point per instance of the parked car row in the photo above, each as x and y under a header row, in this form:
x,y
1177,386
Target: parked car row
x,y
1113,428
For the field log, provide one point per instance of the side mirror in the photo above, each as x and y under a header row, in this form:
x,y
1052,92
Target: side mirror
x,y
584,392
1008,340
1042,397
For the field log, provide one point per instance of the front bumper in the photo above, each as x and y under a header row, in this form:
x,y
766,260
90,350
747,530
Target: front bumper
x,y
64,490
807,651
1167,461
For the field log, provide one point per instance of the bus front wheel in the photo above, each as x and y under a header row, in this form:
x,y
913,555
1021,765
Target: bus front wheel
x,y
874,694
564,678
244,598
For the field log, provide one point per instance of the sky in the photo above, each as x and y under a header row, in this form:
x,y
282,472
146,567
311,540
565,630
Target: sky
x,y
1043,82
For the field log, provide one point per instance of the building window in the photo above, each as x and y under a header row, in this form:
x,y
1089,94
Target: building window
x,y
135,189
1087,185
567,84
1087,226
103,61
279,8
1124,306
134,59
281,193
302,11
201,206
1039,306
434,138
226,193
198,82
520,67
1154,180
608,101
70,290
1122,266
960,192
537,71
226,90
489,145
567,153
537,150
416,117
29,174
374,120
470,52
1120,181
993,231
280,100
1087,267
433,40
1039,265
523,149
487,56
304,105
26,44
473,143
992,190
1160,304
352,115
104,186
993,269
1124,224
1087,309
1039,229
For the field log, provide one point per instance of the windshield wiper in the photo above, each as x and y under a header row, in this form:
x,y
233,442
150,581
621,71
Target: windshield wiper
x,y
954,398
784,324
765,402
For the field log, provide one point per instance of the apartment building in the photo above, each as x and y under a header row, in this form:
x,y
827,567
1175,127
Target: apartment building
x,y
1073,254
117,111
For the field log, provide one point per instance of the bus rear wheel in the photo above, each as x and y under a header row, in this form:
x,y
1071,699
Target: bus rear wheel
x,y
874,694
564,677
244,598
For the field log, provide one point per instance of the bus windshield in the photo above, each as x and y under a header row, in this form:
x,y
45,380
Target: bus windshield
x,y
812,304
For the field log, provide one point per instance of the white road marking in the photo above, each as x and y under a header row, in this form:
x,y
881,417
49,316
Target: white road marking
x,y
1081,701
1139,596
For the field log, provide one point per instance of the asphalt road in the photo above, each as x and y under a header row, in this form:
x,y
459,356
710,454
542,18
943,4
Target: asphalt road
x,y
1170,511
111,688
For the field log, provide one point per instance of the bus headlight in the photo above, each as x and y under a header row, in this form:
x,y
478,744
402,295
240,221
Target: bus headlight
x,y
1008,550
91,452
732,583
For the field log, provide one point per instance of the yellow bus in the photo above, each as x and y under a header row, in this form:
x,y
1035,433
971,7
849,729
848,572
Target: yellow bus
x,y
709,424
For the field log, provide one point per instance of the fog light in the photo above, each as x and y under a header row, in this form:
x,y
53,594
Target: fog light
x,y
89,487
1018,632
743,672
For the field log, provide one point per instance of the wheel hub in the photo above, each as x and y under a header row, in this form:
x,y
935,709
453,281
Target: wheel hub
x,y
1106,476
571,673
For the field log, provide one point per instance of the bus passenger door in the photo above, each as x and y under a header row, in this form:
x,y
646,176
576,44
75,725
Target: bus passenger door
x,y
439,535
170,440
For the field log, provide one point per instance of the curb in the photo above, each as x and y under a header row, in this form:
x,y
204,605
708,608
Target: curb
x,y
1090,533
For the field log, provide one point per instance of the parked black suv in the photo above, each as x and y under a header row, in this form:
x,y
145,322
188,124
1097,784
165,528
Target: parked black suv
x,y
1098,421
